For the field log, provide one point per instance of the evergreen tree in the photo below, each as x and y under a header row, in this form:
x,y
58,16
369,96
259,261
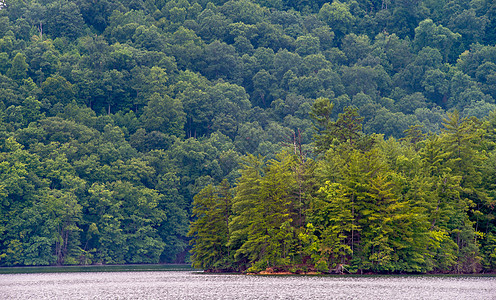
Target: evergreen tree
x,y
210,231
335,227
247,219
460,137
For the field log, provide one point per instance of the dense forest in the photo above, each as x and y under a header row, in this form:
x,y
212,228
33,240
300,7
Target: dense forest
x,y
354,135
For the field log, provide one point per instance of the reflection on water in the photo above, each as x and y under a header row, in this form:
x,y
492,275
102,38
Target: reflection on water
x,y
196,285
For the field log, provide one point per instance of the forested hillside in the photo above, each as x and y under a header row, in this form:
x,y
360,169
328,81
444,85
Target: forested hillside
x,y
114,114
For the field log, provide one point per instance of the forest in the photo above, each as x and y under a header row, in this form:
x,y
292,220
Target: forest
x,y
242,135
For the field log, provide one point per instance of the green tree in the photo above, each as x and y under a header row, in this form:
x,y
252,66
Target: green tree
x,y
210,229
355,47
64,19
307,45
427,34
246,218
63,213
337,15
332,216
321,114
57,90
163,114
261,227
18,70
187,47
460,138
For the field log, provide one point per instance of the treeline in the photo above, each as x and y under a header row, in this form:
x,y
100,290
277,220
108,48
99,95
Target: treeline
x,y
365,204
115,113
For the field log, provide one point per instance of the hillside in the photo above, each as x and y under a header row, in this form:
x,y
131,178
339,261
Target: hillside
x,y
115,114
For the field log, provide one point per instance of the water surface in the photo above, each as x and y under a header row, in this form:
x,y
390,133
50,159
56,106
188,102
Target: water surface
x,y
197,285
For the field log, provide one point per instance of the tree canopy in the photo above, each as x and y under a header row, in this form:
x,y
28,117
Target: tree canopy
x,y
357,134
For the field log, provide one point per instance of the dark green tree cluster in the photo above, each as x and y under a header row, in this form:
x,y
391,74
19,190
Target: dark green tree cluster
x,y
114,114
365,204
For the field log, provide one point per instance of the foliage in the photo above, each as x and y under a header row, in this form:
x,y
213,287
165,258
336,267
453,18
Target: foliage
x,y
115,115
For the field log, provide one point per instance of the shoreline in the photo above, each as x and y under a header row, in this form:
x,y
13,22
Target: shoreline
x,y
271,272
97,268
187,267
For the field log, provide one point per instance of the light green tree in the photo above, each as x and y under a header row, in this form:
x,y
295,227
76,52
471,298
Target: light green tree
x,y
210,230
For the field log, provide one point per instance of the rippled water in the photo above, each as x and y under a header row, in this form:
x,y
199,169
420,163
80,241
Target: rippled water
x,y
196,285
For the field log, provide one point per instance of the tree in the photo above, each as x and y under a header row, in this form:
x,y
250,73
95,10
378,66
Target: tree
x,y
321,114
212,25
261,227
64,19
96,14
210,229
337,15
63,213
428,34
43,59
128,217
249,137
17,194
410,103
460,137
332,217
392,124
355,47
348,127
246,213
346,131
263,84
307,45
221,61
57,90
175,93
368,80
187,48
243,11
18,70
397,51
163,114
229,101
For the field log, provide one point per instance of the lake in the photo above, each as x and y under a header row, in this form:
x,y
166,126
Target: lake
x,y
197,285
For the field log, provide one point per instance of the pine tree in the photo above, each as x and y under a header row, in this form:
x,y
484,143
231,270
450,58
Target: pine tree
x,y
266,207
332,217
414,135
321,114
210,231
247,214
346,131
460,138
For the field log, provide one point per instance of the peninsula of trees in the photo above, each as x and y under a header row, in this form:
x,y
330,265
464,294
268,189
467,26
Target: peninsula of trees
x,y
304,135
364,204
